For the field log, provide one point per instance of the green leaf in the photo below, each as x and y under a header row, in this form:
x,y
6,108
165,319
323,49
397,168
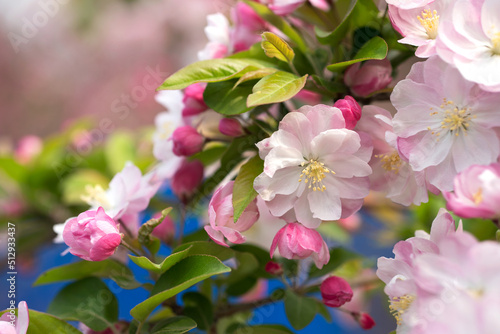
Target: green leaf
x,y
299,310
243,191
112,269
254,75
261,329
199,308
323,311
226,98
335,37
375,48
212,70
279,22
211,153
206,248
276,87
337,257
73,186
118,149
276,47
242,286
144,234
159,268
174,325
181,276
43,323
89,301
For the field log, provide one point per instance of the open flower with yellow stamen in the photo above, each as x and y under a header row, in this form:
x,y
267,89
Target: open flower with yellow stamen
x,y
314,168
419,26
444,123
392,175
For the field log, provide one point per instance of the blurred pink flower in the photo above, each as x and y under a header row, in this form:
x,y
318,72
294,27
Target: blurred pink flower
x,y
28,148
443,122
274,268
285,7
218,34
193,100
92,236
221,216
370,77
335,291
365,320
166,230
392,174
408,4
314,168
476,192
351,111
231,127
295,241
187,178
469,39
187,141
419,25
248,26
21,322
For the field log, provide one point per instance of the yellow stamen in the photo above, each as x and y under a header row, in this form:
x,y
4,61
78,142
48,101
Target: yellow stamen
x,y
455,120
95,196
495,49
478,196
430,22
399,305
390,162
314,173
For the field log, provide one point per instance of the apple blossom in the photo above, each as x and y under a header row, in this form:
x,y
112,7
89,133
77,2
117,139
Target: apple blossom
x,y
314,168
285,7
93,235
335,291
247,27
443,122
274,268
296,241
469,39
351,111
408,4
193,100
419,25
364,320
476,192
187,141
21,322
392,174
231,127
217,32
221,216
28,148
370,77
187,178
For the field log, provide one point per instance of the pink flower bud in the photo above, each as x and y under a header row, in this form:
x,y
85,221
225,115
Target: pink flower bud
x,y
295,241
247,27
364,320
365,79
221,215
274,268
351,111
335,291
93,235
187,141
166,230
28,148
476,192
193,100
187,178
231,127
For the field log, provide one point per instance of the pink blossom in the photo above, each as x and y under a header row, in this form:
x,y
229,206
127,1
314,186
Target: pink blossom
x,y
469,39
187,141
308,97
408,4
443,122
351,224
476,192
218,34
274,268
231,127
93,235
193,100
28,148
248,27
351,111
370,77
314,168
21,322
419,25
285,7
187,178
392,174
365,320
221,216
295,241
335,291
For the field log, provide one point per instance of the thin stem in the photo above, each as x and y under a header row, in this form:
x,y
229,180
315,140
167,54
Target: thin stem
x,y
130,248
122,224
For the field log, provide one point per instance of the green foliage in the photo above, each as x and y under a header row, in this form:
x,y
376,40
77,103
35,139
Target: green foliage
x,y
255,75
243,191
300,310
174,325
261,329
337,257
112,269
199,308
277,87
336,36
89,301
181,276
376,48
160,268
43,323
276,47
227,98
